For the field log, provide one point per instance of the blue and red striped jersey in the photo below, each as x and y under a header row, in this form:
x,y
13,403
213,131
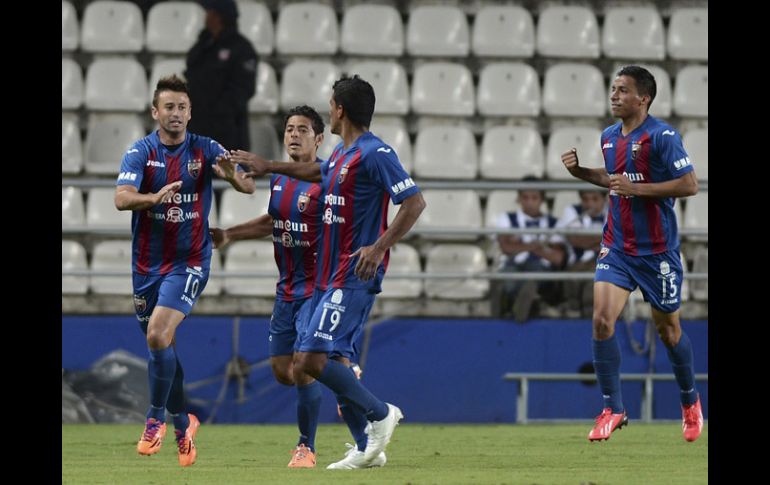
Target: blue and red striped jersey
x,y
653,152
357,185
296,228
172,236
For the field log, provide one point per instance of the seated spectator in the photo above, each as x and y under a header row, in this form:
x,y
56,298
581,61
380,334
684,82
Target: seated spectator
x,y
528,252
582,250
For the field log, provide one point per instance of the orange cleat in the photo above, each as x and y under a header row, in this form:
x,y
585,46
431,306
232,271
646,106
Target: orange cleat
x,y
187,452
303,457
152,437
692,421
606,423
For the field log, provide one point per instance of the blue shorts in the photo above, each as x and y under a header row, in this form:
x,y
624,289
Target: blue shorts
x,y
658,275
337,321
179,291
289,319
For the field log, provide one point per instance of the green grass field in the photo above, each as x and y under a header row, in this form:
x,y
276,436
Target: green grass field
x,y
418,454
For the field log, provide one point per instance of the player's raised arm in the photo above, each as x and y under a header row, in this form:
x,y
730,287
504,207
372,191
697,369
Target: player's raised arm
x,y
258,166
227,169
127,197
256,228
596,176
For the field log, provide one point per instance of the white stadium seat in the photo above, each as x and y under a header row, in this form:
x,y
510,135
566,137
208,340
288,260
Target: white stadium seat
x,y
109,136
237,207
264,140
173,27
250,256
456,258
437,30
445,152
508,89
372,30
568,31
454,209
633,33
112,26
306,28
688,34
162,68
403,259
73,211
572,89
71,84
696,144
691,92
267,95
696,213
388,79
73,257
256,24
101,210
308,82
443,88
562,200
69,27
71,145
112,256
584,138
503,31
498,203
511,152
116,84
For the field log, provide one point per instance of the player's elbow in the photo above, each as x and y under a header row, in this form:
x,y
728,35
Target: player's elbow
x,y
692,186
120,202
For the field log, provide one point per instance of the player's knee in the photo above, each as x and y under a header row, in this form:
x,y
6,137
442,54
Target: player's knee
x,y
310,365
603,325
669,335
283,374
157,339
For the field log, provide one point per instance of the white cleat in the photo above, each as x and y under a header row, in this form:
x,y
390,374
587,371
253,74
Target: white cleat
x,y
380,432
355,459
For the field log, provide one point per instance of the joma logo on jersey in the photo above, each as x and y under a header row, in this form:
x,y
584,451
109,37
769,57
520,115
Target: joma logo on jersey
x,y
634,176
155,163
401,186
681,163
288,225
607,145
332,199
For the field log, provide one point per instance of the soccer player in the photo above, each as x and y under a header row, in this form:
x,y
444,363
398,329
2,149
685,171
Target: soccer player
x,y
646,167
165,179
357,182
294,222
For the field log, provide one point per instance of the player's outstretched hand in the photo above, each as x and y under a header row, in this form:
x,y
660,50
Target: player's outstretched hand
x,y
570,159
219,237
369,258
225,168
256,165
166,194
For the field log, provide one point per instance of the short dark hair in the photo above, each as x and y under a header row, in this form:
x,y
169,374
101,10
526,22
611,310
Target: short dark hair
x,y
645,81
316,122
532,178
357,97
169,83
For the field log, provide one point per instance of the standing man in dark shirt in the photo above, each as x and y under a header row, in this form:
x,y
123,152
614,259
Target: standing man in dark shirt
x,y
221,75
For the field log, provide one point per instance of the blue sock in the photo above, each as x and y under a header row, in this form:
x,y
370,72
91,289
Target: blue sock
x,y
308,409
340,378
161,369
356,420
680,356
175,404
607,366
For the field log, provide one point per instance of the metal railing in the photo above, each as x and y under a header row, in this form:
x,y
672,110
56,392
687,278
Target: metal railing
x,y
522,399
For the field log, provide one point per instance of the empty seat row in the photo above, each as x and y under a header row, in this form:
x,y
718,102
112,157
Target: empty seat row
x,y
439,151
438,88
377,30
460,209
257,256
